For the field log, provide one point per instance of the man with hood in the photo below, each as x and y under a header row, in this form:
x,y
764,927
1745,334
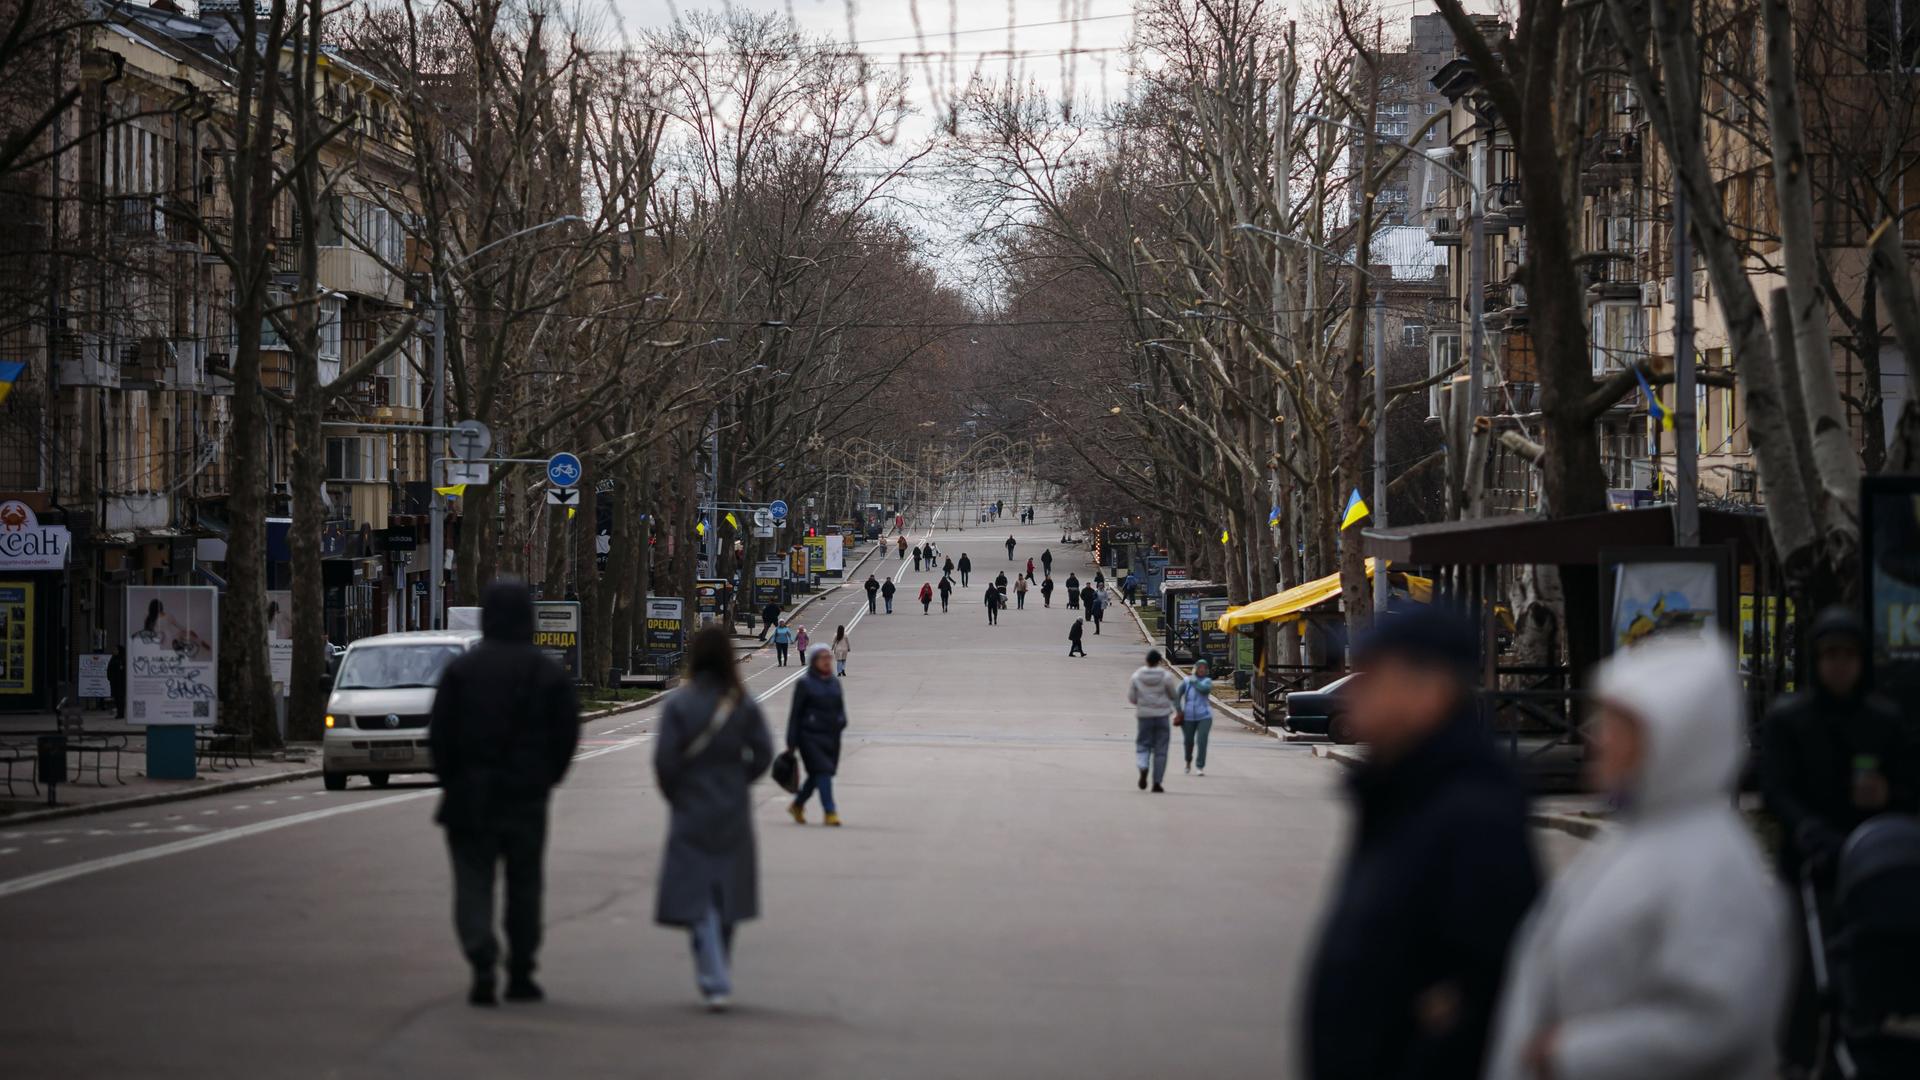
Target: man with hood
x,y
886,593
503,730
1073,590
994,603
1439,873
873,593
1831,757
966,567
1660,953
946,590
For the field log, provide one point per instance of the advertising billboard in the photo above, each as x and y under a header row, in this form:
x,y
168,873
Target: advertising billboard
x,y
666,629
1890,529
173,636
556,630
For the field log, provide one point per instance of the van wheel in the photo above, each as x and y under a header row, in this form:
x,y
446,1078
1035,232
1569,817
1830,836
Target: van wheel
x,y
334,781
1340,731
379,779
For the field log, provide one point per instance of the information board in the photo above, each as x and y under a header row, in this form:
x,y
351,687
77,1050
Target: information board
x,y
16,637
766,583
556,630
666,630
94,680
173,654
1216,645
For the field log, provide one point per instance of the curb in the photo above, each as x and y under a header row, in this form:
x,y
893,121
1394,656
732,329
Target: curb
x,y
1579,826
1232,712
135,801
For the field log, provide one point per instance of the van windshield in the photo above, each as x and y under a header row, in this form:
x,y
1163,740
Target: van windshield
x,y
394,667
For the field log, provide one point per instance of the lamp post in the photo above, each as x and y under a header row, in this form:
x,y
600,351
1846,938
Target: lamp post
x,y
437,438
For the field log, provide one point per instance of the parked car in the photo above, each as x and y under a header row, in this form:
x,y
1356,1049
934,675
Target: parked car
x,y
381,699
1322,711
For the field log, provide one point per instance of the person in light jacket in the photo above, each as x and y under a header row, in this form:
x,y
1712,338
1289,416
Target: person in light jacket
x,y
842,648
712,745
1660,954
814,724
782,641
1152,690
1196,714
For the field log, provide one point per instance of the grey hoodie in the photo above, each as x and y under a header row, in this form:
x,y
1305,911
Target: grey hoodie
x,y
1661,953
1152,691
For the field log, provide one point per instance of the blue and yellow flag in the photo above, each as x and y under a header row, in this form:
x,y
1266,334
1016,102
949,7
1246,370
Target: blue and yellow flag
x,y
1356,511
700,527
1656,412
733,521
10,372
451,489
1273,518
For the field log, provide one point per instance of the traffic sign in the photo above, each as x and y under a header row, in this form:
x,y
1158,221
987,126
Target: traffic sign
x,y
564,496
563,470
764,532
778,509
470,440
467,472
762,519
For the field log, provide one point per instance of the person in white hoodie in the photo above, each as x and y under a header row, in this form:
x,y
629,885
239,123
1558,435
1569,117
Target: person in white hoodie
x,y
1660,954
1152,691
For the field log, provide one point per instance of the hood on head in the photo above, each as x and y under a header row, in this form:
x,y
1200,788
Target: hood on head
x,y
1685,689
506,611
1425,633
1837,623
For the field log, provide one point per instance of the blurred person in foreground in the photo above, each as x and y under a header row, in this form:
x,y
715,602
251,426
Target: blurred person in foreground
x,y
712,745
1439,874
1660,954
503,730
1832,756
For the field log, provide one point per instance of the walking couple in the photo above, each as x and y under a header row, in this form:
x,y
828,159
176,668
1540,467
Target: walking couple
x,y
1162,701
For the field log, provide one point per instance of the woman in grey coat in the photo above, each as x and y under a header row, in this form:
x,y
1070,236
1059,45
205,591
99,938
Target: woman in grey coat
x,y
712,745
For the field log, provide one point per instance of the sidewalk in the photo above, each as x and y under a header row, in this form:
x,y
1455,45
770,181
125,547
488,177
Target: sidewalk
x,y
134,788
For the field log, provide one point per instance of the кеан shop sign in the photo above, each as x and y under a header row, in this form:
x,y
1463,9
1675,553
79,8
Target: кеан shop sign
x,y
25,544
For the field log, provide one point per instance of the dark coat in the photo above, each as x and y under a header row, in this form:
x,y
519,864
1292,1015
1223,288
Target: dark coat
x,y
947,567
770,614
1807,758
1088,597
887,590
1046,586
1073,583
1076,630
995,599
814,724
966,565
1438,877
872,586
505,721
710,848
946,586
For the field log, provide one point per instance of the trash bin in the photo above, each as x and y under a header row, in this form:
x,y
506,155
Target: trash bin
x,y
52,750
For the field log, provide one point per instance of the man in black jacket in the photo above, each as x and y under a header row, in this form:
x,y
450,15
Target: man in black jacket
x,y
1438,877
504,728
769,618
1831,757
873,593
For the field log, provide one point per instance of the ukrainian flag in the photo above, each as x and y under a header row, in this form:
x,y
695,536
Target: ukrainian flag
x,y
733,521
700,527
451,489
10,372
1356,511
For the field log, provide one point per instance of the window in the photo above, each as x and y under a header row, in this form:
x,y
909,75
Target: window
x,y
1391,129
1394,108
1432,107
1443,352
1413,334
357,458
330,328
1619,336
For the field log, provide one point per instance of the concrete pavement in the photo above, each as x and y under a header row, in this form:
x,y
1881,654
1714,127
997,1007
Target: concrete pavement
x,y
1002,899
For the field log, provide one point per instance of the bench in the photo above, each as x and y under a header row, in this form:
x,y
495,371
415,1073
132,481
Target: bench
x,y
81,744
13,753
215,743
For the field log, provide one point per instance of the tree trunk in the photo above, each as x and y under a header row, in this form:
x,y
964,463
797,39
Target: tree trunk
x,y
307,698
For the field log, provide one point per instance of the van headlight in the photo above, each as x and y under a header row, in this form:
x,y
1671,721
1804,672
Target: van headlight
x,y
334,720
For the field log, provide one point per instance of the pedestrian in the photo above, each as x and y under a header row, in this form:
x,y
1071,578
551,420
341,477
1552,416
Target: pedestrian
x,y
1128,586
966,567
1099,579
1030,576
1046,562
886,593
926,598
1010,547
1073,591
993,607
769,618
503,730
814,724
711,745
1658,952
916,560
1074,634
117,681
946,591
1000,586
903,549
1088,600
1020,594
873,593
842,648
946,569
1193,709
1151,690
782,641
800,640
1438,873
1831,757
1046,592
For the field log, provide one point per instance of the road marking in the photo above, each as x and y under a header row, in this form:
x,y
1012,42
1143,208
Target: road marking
x,y
8,850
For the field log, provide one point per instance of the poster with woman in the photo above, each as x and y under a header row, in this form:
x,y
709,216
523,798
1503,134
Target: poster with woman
x,y
172,653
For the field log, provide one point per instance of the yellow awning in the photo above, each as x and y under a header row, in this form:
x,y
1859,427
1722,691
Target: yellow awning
x,y
1289,603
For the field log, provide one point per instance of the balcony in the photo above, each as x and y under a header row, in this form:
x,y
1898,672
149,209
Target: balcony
x,y
349,270
1609,159
1444,231
136,217
1613,276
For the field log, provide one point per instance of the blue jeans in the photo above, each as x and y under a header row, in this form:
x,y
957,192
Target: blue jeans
x,y
1152,734
822,784
712,952
889,605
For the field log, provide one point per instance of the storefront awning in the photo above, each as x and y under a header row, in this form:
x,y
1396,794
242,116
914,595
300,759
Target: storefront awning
x,y
1289,603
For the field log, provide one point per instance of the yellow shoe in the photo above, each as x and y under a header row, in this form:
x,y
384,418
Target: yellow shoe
x,y
833,818
799,813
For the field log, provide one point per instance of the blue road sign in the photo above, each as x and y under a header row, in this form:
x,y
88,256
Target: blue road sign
x,y
778,508
563,470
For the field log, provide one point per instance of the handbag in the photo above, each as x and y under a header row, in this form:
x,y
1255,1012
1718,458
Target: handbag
x,y
786,771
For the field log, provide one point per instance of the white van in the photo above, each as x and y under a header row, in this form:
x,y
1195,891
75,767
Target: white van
x,y
382,696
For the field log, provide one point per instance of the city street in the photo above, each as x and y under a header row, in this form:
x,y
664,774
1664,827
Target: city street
x,y
1002,900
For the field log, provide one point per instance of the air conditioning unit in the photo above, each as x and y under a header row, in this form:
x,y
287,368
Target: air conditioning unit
x,y
1620,233
189,366
1701,288
1624,103
1650,293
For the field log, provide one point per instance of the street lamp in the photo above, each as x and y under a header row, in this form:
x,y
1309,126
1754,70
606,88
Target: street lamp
x,y
436,449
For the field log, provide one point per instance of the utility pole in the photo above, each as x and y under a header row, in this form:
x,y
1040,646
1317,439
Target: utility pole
x,y
1379,442
1686,439
1476,301
436,458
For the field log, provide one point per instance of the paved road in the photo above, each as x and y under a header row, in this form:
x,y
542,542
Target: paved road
x,y
1002,901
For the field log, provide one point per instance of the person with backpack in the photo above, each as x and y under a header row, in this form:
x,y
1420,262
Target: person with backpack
x,y
926,598
946,591
1151,690
814,723
886,593
712,744
1074,633
782,641
1193,714
842,648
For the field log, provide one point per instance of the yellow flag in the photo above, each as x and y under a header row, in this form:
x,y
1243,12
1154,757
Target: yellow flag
x,y
1356,511
451,489
700,527
733,521
1223,536
569,513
